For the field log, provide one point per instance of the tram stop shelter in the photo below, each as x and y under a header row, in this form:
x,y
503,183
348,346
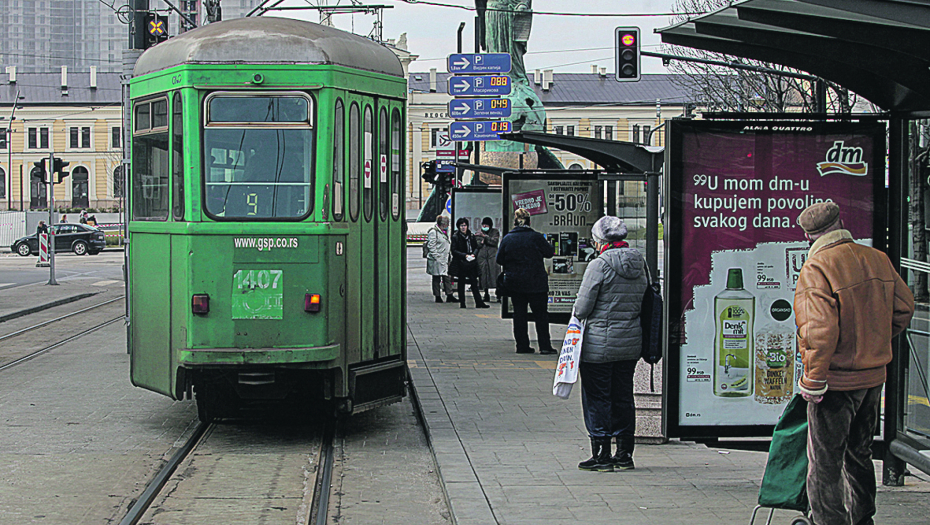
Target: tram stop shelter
x,y
879,49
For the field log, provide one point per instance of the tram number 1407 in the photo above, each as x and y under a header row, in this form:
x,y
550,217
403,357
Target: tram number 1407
x,y
252,279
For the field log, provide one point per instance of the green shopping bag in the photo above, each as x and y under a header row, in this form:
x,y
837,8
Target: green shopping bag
x,y
784,484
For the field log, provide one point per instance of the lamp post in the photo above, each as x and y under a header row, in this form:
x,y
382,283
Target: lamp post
x,y
9,148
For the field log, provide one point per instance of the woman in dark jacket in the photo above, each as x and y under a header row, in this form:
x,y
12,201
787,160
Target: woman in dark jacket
x,y
488,239
609,301
465,263
521,253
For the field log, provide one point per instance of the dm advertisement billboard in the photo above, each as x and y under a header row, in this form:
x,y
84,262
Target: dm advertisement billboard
x,y
563,206
734,255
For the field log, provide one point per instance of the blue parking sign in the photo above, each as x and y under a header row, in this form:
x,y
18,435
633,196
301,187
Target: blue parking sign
x,y
478,86
471,63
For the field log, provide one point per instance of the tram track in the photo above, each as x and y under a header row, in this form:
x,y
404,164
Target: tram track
x,y
195,469
17,348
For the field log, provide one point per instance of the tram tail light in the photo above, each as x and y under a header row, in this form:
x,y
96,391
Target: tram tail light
x,y
200,303
312,302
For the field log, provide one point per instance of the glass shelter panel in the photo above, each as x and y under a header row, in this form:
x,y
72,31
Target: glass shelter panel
x,y
916,267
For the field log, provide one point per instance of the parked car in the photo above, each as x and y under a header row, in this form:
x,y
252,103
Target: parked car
x,y
79,238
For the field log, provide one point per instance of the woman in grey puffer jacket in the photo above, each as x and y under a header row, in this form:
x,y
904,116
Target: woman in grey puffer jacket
x,y
609,301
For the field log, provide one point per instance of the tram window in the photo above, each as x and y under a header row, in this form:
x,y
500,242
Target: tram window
x,y
143,116
150,177
339,159
369,164
160,113
396,148
382,162
259,109
255,170
177,164
355,152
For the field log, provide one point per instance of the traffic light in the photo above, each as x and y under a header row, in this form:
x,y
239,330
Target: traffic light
x,y
38,172
429,171
58,166
156,29
627,54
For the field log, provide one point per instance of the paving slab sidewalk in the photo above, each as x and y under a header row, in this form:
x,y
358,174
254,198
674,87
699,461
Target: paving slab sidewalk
x,y
507,449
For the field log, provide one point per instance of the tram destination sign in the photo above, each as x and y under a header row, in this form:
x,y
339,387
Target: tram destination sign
x,y
478,130
468,108
474,63
479,86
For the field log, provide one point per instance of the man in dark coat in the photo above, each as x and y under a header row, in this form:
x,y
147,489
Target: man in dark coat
x,y
521,253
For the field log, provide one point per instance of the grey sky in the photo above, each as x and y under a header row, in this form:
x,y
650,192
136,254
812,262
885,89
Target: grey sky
x,y
431,31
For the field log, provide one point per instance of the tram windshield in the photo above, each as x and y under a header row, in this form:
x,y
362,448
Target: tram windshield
x,y
258,153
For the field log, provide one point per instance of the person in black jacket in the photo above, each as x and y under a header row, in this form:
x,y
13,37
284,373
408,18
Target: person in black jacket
x,y
521,253
465,263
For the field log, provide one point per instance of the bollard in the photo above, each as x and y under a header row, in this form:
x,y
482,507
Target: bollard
x,y
43,251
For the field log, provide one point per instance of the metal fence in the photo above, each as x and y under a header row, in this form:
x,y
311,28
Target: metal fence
x,y
12,227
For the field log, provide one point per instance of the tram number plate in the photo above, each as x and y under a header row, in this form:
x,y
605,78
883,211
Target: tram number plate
x,y
258,294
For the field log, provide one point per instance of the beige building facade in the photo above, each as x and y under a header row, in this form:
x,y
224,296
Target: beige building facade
x,y
78,118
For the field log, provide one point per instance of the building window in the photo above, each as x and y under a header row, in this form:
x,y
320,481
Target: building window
x,y
570,131
38,138
116,138
558,130
597,132
3,139
80,137
2,183
439,138
609,132
118,182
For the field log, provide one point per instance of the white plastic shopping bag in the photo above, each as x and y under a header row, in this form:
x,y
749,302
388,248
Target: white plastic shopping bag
x,y
566,372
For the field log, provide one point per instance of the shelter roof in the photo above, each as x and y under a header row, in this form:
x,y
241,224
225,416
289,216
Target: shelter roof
x,y
879,49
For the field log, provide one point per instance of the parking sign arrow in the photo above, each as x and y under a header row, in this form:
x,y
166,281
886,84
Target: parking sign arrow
x,y
464,108
462,63
463,86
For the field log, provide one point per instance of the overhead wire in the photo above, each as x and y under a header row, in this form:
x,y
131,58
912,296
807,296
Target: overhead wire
x,y
548,13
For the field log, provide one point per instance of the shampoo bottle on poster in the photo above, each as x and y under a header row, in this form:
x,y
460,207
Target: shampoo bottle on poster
x,y
734,312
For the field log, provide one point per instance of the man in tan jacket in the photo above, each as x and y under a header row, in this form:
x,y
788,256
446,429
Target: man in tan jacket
x,y
849,303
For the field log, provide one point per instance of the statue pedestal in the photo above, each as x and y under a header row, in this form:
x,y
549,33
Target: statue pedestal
x,y
507,160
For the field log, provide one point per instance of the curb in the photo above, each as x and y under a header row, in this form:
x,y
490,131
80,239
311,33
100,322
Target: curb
x,y
468,504
46,306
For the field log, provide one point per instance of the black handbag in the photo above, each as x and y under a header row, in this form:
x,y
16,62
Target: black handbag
x,y
650,319
501,290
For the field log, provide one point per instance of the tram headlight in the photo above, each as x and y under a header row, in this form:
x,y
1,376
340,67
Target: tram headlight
x,y
200,303
312,302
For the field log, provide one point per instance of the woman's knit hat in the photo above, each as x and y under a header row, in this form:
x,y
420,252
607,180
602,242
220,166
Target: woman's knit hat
x,y
608,229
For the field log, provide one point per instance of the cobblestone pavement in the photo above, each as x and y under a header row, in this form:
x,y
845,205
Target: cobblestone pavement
x,y
507,449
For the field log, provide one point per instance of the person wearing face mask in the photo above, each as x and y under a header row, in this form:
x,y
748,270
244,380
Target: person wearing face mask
x,y
465,262
488,239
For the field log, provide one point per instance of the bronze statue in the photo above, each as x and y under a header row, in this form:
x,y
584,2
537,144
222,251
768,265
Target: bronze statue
x,y
504,27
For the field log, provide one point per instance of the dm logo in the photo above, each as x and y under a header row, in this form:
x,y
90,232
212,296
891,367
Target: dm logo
x,y
843,161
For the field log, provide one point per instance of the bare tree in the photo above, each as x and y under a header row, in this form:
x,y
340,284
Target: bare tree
x,y
723,88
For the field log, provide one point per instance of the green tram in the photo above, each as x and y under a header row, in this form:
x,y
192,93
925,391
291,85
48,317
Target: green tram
x,y
266,229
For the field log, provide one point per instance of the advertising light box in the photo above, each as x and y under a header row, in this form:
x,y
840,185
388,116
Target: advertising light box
x,y
563,206
734,252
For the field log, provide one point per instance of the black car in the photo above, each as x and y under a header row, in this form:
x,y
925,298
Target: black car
x,y
79,238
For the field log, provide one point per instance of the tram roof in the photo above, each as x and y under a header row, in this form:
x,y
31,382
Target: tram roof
x,y
269,40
